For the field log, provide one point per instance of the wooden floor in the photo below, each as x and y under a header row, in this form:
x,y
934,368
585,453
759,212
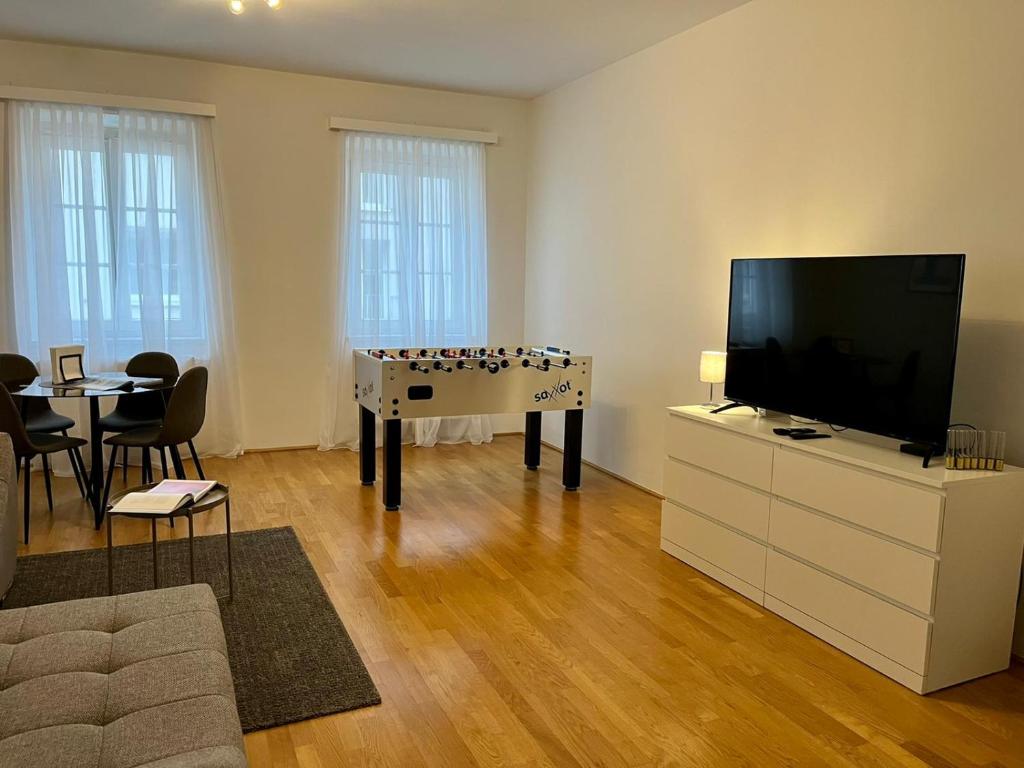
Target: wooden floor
x,y
507,623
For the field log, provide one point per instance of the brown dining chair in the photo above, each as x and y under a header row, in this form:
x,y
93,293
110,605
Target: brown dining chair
x,y
186,412
38,415
141,410
28,445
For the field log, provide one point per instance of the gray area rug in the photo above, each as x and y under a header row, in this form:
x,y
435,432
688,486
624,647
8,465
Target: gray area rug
x,y
291,658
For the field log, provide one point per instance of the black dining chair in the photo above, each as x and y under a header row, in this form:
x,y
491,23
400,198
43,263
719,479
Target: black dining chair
x,y
28,445
186,412
141,410
38,415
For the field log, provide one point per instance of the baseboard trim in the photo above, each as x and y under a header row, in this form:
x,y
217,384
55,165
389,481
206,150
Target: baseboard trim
x,y
516,433
608,472
311,446
276,449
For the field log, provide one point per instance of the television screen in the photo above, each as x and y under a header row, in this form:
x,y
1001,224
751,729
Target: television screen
x,y
867,342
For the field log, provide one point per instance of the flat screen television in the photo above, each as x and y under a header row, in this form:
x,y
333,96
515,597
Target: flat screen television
x,y
866,342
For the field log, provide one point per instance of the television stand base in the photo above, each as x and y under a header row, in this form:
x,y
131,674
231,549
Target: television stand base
x,y
728,407
926,452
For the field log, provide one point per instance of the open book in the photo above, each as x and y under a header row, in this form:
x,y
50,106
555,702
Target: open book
x,y
165,498
98,384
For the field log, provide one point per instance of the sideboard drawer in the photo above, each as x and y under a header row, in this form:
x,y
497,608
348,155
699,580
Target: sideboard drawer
x,y
881,626
910,514
878,564
738,506
734,456
736,554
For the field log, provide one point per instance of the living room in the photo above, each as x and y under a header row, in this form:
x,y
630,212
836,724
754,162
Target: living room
x,y
448,582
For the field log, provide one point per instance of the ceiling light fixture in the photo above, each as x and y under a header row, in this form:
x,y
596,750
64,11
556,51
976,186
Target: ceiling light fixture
x,y
274,5
236,6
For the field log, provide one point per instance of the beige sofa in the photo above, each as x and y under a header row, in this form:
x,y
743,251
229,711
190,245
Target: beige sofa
x,y
118,682
131,681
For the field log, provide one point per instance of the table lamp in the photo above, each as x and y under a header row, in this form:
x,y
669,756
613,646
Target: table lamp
x,y
712,371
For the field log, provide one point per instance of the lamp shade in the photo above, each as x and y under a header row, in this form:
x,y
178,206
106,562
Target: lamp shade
x,y
712,367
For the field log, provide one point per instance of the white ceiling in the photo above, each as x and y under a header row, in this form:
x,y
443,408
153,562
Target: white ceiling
x,y
506,47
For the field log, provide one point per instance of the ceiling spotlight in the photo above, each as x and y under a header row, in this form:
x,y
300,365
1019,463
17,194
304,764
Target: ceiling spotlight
x,y
236,6
274,5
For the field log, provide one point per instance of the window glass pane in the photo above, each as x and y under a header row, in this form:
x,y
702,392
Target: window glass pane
x,y
416,258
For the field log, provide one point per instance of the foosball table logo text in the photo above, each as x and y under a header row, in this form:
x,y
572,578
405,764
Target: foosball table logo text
x,y
557,391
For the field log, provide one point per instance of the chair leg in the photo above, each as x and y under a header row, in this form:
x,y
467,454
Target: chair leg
x,y
147,467
46,480
163,461
124,467
74,469
177,463
110,477
80,463
28,494
195,460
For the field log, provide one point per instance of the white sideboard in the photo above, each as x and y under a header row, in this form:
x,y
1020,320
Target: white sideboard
x,y
913,571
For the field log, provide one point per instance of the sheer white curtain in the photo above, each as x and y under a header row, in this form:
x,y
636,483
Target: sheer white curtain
x,y
412,268
8,337
117,243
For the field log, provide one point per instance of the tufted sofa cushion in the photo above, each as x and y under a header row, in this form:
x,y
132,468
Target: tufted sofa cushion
x,y
118,682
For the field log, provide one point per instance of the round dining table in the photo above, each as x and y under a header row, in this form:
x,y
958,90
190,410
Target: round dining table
x,y
40,387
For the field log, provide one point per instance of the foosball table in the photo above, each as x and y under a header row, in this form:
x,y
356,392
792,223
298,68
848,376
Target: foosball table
x,y
397,384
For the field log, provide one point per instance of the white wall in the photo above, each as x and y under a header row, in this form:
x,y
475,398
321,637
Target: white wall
x,y
281,171
784,127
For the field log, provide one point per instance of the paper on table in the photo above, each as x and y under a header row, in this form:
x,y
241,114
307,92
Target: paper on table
x,y
151,503
194,488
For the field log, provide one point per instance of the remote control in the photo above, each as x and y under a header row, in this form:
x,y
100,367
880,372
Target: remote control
x,y
792,431
809,436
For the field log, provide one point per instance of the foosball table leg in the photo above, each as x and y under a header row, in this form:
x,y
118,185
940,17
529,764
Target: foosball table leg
x,y
392,464
532,454
572,450
367,446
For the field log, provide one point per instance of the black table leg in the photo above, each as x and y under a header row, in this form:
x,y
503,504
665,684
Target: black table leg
x,y
572,449
367,446
227,521
531,456
110,554
96,470
392,464
191,551
156,573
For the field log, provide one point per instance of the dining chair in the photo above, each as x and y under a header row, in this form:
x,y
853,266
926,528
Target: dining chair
x,y
186,412
141,410
28,445
38,415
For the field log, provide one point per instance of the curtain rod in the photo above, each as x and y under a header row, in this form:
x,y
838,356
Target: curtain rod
x,y
19,93
410,129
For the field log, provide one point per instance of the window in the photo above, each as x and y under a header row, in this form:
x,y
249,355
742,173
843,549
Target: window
x,y
146,197
85,209
415,241
109,211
